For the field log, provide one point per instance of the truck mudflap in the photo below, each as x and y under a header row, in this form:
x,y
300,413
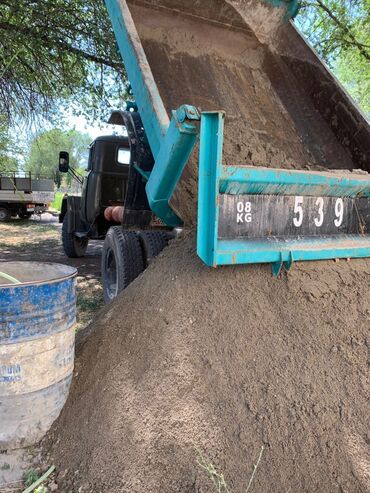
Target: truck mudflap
x,y
73,210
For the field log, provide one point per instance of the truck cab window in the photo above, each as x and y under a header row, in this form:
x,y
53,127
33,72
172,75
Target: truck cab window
x,y
124,155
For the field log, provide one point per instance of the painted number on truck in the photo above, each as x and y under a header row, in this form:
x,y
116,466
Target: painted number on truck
x,y
318,220
261,216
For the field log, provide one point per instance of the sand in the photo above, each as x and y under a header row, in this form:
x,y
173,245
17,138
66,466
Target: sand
x,y
224,362
204,54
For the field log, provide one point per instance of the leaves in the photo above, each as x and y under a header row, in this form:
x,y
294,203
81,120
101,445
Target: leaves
x,y
45,148
57,51
340,31
8,149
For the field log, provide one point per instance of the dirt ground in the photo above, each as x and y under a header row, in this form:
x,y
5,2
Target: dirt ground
x,y
39,239
193,373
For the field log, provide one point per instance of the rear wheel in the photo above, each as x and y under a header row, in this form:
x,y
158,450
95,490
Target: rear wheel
x,y
5,214
122,261
152,243
73,246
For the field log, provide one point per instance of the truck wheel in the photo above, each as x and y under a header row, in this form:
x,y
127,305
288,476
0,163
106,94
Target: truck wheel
x,y
73,246
5,214
25,215
152,243
122,261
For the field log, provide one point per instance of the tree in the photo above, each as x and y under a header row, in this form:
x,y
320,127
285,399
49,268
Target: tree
x,y
45,148
55,50
8,150
340,31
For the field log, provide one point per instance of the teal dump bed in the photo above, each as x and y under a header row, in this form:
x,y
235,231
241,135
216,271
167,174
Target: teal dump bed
x,y
268,104
284,109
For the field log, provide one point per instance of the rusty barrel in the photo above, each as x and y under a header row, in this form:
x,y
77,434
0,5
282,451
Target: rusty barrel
x,y
37,317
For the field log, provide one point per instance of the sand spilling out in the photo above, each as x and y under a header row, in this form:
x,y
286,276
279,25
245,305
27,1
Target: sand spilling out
x,y
224,362
205,54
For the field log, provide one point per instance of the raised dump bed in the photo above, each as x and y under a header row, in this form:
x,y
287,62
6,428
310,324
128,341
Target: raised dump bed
x,y
244,63
283,107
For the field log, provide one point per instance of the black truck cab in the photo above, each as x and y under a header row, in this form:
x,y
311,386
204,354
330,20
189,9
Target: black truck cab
x,y
116,176
106,177
104,185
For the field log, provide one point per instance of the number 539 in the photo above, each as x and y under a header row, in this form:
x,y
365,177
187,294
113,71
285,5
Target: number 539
x,y
319,217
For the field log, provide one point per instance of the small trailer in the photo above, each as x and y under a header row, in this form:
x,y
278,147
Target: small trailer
x,y
22,194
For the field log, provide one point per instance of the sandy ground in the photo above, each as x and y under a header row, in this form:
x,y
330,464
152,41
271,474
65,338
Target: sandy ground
x,y
39,239
192,368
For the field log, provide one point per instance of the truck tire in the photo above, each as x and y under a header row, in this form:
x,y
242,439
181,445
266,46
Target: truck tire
x,y
73,246
122,261
5,215
152,243
25,215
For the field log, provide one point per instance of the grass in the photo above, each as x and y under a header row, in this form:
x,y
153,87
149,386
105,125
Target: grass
x,y
89,301
33,482
30,477
218,479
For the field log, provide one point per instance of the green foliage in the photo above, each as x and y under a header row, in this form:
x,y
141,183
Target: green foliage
x,y
63,52
217,478
41,489
54,51
8,150
340,31
30,477
45,148
57,203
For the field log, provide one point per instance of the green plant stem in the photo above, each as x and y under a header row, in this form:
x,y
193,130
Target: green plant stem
x,y
255,466
9,278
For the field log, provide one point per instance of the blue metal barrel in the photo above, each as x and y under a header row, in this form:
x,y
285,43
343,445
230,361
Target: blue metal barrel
x,y
37,315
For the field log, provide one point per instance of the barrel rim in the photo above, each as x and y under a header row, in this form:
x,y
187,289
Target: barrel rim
x,y
72,274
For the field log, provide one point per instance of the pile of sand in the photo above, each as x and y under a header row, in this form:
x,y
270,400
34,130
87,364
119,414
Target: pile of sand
x,y
224,362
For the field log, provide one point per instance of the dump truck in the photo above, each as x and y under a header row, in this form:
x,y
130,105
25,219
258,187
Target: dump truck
x,y
22,194
113,194
244,134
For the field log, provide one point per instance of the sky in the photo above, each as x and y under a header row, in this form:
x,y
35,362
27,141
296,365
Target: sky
x,y
80,123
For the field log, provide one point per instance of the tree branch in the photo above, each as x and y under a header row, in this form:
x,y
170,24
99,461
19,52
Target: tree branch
x,y
6,26
345,29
